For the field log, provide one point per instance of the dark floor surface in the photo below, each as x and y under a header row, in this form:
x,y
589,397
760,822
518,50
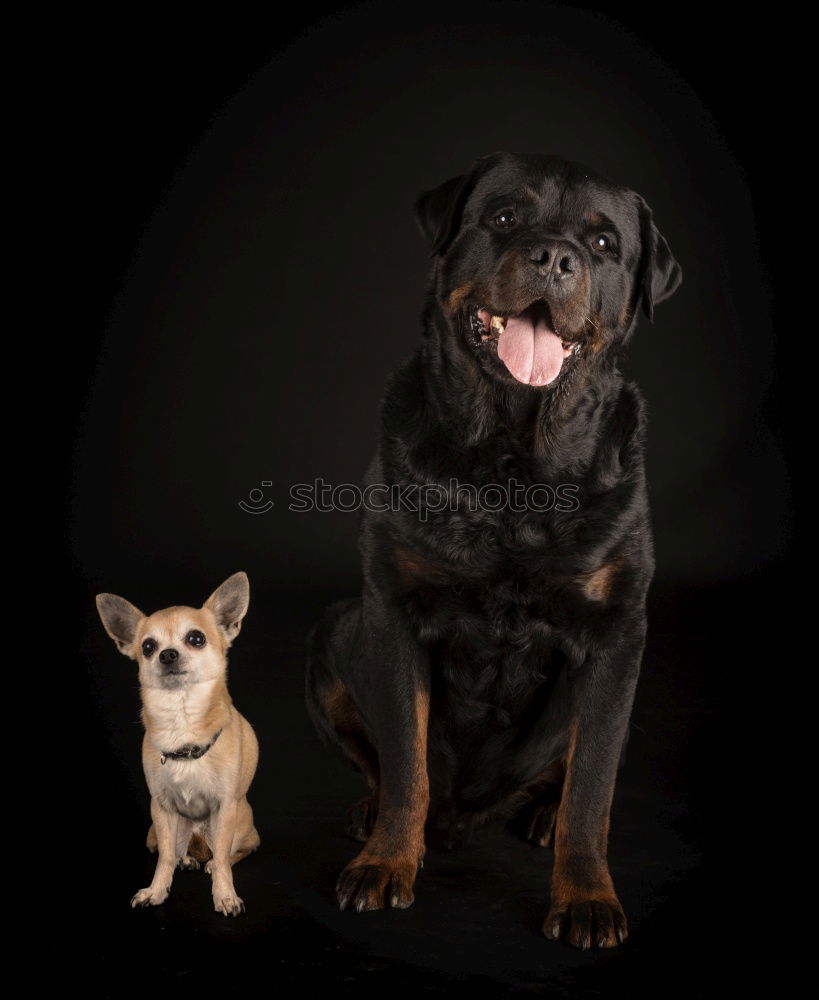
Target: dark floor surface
x,y
475,925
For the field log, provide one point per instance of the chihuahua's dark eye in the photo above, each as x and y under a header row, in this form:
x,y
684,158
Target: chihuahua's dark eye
x,y
195,638
506,219
602,244
149,647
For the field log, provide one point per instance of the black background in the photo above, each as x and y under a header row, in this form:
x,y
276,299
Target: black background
x,y
241,252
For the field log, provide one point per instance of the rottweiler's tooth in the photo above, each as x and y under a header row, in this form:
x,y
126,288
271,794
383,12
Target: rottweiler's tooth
x,y
497,324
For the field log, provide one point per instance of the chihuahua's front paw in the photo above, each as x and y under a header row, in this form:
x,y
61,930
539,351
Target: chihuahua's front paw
x,y
229,904
150,897
371,885
188,864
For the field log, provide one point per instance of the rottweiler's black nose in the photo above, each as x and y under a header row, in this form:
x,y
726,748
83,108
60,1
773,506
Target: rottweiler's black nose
x,y
556,258
168,658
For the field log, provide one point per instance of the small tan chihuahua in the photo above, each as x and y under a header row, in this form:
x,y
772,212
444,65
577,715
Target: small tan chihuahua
x,y
199,754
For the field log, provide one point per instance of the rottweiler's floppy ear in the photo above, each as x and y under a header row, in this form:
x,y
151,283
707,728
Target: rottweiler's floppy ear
x,y
438,211
660,274
229,604
120,619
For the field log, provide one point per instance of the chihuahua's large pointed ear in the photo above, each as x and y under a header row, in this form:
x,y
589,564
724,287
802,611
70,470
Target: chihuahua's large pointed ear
x,y
660,274
229,604
120,619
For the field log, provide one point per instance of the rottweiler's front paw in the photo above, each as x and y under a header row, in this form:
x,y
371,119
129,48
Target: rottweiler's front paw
x,y
374,885
587,923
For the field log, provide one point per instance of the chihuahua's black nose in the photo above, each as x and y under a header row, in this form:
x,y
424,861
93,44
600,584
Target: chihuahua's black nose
x,y
168,658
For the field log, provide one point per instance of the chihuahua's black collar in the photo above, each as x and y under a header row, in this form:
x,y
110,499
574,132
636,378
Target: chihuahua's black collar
x,y
191,751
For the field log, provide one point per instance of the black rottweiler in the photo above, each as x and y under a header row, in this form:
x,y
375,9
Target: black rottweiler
x,y
489,667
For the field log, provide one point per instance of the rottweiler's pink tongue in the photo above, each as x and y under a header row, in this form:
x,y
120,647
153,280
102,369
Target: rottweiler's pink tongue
x,y
530,349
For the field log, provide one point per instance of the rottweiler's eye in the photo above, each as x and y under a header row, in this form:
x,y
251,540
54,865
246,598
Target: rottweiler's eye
x,y
506,219
195,638
148,647
602,244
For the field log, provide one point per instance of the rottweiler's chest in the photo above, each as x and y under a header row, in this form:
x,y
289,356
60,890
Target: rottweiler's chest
x,y
487,618
499,660
497,600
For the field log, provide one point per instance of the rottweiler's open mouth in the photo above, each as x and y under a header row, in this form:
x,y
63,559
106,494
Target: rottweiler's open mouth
x,y
527,343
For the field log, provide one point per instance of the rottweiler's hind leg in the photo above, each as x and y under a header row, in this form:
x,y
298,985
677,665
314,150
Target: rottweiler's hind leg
x,y
361,817
333,710
535,820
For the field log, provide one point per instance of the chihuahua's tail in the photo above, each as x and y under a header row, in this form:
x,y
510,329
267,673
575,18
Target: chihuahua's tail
x,y
199,850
